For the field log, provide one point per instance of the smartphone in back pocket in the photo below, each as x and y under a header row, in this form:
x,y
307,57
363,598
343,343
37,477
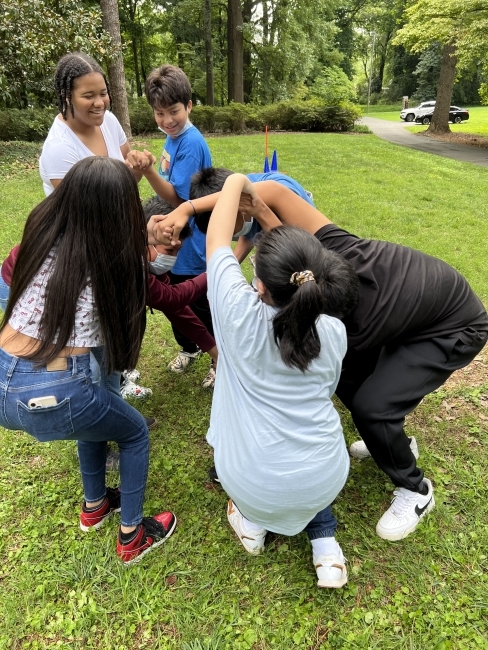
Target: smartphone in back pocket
x,y
42,402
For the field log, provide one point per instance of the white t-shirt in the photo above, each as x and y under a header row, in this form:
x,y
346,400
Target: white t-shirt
x,y
63,148
278,443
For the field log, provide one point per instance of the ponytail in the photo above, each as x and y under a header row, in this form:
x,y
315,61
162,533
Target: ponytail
x,y
304,281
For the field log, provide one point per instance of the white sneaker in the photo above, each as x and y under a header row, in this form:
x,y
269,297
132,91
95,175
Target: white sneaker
x,y
129,389
331,570
406,510
182,360
359,450
252,540
209,381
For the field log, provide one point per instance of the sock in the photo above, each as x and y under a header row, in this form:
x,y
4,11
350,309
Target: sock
x,y
249,525
423,489
325,546
125,538
95,508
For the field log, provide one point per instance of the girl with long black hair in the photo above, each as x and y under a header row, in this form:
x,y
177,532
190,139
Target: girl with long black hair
x,y
79,282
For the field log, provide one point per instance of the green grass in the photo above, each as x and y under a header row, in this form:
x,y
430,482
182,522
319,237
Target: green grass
x,y
201,591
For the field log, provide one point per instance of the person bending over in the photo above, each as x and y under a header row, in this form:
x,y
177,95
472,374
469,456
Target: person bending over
x,y
278,443
64,300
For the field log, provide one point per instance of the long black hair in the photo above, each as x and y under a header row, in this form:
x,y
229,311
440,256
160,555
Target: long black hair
x,y
69,68
95,219
283,254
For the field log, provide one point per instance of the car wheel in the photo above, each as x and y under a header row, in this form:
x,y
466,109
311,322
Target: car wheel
x,y
457,120
426,120
410,117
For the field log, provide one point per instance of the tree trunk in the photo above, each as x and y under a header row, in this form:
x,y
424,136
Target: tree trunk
x,y
246,59
116,74
440,117
207,19
235,59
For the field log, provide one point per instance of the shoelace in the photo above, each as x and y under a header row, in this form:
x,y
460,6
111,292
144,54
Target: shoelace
x,y
402,501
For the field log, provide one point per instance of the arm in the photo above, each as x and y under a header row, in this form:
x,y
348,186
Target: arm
x,y
242,249
166,230
290,208
163,188
223,220
170,298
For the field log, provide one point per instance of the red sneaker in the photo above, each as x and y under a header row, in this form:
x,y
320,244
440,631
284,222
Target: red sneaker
x,y
96,518
150,533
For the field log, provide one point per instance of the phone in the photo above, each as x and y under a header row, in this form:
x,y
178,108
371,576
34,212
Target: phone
x,y
42,402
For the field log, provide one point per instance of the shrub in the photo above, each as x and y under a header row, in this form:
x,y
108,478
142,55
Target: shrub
x,y
29,125
32,125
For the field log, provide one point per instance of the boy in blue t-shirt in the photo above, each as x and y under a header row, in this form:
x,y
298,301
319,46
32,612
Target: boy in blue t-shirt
x,y
185,152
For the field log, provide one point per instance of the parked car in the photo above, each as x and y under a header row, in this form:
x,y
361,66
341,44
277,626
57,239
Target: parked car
x,y
456,115
409,114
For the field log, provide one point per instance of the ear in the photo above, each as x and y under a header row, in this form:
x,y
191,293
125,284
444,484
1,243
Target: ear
x,y
189,107
262,291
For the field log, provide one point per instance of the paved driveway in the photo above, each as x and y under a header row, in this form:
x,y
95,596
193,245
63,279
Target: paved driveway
x,y
395,132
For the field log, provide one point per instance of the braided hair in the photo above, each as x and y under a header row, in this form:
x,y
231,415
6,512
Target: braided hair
x,y
69,68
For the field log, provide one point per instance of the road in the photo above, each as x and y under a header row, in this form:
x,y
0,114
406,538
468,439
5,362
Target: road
x,y
396,133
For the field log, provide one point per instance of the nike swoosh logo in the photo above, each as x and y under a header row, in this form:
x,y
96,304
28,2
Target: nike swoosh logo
x,y
420,511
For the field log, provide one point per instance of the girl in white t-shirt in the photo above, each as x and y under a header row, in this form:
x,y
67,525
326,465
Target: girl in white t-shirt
x,y
279,448
85,127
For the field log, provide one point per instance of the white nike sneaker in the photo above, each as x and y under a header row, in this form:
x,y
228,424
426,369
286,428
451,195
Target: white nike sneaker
x,y
252,540
406,510
359,450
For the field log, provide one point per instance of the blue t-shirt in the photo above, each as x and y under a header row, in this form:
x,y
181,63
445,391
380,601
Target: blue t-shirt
x,y
182,156
282,179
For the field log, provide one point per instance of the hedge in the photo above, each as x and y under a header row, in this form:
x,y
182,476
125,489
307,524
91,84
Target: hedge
x,y
32,124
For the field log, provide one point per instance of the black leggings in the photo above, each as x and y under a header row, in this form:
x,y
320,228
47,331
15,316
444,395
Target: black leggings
x,y
381,386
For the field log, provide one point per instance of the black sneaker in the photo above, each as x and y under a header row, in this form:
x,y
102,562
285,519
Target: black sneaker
x,y
151,423
213,476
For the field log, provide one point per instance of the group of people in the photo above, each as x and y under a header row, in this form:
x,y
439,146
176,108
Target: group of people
x,y
378,324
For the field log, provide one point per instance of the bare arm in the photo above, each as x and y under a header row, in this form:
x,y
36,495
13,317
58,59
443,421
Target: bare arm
x,y
163,188
242,249
290,208
223,220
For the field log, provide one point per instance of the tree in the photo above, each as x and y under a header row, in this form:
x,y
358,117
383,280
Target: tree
x,y
235,49
209,77
460,29
116,75
34,36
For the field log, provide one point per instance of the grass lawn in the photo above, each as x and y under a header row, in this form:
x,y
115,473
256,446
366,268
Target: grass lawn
x,y
61,588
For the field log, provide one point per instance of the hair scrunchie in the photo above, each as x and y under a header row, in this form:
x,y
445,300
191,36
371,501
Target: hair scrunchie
x,y
299,277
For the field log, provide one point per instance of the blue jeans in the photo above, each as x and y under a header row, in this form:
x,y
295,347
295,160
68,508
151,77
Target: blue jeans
x,y
4,293
323,524
84,412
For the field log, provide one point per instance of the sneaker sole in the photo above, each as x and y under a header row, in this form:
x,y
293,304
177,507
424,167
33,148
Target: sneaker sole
x,y
333,584
363,455
150,548
85,529
395,537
